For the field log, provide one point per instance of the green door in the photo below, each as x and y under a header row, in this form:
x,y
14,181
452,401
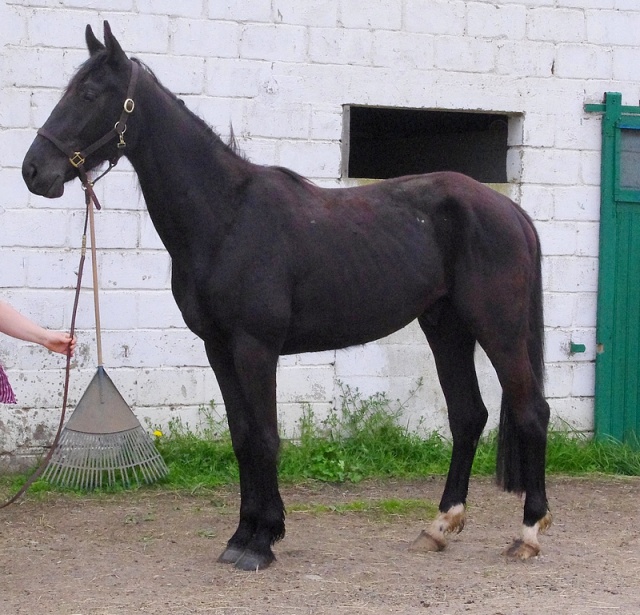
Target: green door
x,y
617,412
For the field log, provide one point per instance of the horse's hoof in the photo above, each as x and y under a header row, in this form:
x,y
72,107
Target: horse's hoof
x,y
426,542
252,561
520,549
230,555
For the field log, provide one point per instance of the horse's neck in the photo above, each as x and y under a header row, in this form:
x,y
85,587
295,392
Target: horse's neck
x,y
188,177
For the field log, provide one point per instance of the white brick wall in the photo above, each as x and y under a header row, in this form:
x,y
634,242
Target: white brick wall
x,y
282,70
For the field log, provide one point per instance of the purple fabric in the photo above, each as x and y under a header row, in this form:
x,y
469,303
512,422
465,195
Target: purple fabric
x,y
6,392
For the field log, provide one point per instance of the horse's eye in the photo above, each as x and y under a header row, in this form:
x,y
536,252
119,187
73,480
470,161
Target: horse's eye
x,y
88,95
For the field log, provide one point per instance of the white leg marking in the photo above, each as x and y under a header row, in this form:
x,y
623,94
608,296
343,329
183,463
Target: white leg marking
x,y
434,539
528,546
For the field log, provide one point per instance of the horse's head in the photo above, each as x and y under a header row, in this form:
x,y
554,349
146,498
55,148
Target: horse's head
x,y
85,128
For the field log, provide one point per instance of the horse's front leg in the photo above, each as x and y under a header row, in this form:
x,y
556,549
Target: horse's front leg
x,y
246,373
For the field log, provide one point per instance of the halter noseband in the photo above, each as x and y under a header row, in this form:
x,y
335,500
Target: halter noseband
x,y
78,158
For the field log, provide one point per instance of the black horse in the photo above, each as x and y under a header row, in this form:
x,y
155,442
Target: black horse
x,y
265,263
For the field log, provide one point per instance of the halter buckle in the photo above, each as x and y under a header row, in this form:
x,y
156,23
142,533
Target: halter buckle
x,y
77,159
129,105
120,132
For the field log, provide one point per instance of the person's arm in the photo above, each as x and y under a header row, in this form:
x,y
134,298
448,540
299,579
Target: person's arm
x,y
16,325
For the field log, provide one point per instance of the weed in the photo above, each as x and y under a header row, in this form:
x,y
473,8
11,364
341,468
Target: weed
x,y
361,438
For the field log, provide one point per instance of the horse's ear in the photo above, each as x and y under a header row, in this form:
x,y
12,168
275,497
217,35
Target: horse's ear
x,y
117,57
93,44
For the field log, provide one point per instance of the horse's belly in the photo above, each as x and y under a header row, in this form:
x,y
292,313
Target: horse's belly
x,y
342,317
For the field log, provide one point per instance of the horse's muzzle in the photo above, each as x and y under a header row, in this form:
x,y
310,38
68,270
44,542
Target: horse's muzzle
x,y
44,176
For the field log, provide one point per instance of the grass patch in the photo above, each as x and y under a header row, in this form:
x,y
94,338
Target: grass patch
x,y
361,439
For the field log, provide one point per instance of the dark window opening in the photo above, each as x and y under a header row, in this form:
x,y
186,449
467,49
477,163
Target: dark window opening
x,y
386,142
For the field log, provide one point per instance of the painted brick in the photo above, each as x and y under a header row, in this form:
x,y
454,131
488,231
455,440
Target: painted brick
x,y
13,26
590,165
585,311
435,17
305,384
326,123
269,42
524,58
612,27
14,273
283,121
256,10
192,9
466,54
311,159
558,25
13,192
494,21
340,46
576,132
260,151
33,228
118,310
559,380
180,74
577,203
55,28
371,14
208,39
559,309
576,61
34,67
153,348
538,201
119,190
236,77
549,166
149,238
95,5
134,269
370,359
539,130
220,114
323,13
51,269
138,33
571,274
403,50
14,108
116,229
167,387
575,412
587,4
587,238
557,238
625,61
157,309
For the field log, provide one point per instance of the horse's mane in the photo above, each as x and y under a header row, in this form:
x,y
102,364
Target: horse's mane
x,y
100,59
231,145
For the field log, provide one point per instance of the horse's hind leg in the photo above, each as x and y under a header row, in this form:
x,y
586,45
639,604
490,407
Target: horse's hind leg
x,y
522,443
246,373
453,349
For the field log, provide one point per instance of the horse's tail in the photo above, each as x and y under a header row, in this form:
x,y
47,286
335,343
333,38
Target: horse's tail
x,y
510,471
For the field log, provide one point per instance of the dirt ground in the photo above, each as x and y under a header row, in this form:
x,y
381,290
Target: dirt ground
x,y
154,552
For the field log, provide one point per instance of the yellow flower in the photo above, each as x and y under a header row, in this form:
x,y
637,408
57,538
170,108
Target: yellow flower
x,y
158,434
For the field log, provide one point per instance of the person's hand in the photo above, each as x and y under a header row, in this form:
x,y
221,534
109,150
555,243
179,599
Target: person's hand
x,y
58,341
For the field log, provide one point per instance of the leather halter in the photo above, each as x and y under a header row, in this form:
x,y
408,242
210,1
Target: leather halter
x,y
78,158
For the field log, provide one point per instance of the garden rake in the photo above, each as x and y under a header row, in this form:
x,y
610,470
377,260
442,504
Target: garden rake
x,y
103,442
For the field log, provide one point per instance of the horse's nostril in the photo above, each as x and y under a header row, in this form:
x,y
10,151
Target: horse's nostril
x,y
29,172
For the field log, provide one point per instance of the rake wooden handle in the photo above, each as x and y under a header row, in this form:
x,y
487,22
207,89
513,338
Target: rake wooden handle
x,y
94,270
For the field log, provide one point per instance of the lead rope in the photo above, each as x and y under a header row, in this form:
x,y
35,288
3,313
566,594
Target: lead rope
x,y
90,199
